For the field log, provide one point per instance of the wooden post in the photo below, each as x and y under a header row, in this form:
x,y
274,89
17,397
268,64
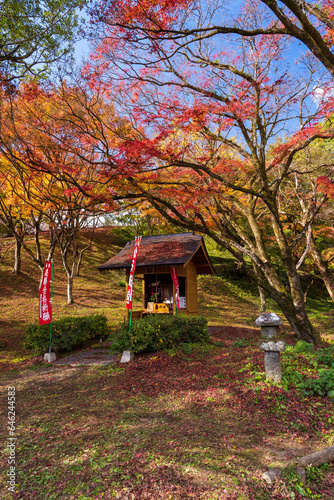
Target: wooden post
x,y
143,292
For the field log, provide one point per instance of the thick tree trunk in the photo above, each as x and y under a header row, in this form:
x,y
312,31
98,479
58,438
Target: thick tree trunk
x,y
293,308
295,312
293,305
301,325
323,269
307,332
290,302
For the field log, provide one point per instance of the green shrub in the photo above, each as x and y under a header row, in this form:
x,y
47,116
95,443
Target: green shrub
x,y
320,382
67,333
123,234
321,386
303,347
326,356
157,333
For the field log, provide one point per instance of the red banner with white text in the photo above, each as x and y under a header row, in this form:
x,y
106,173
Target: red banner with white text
x,y
175,279
132,272
45,310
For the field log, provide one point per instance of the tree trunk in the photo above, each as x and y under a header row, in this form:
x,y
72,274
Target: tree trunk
x,y
17,263
80,257
323,269
77,272
265,274
293,308
293,303
290,302
38,245
149,224
41,278
67,243
296,312
301,325
262,293
70,290
263,300
37,257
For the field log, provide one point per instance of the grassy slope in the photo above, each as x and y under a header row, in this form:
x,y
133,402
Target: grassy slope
x,y
190,425
225,299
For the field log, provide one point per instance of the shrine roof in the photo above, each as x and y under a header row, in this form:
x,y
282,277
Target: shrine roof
x,y
164,250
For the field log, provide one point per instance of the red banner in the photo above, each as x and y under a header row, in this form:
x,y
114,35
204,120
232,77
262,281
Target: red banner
x,y
132,272
45,310
175,279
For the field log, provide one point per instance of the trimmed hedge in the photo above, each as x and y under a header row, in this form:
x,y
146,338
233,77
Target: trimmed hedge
x,y
67,333
156,333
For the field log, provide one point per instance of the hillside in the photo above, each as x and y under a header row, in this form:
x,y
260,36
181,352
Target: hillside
x,y
197,421
227,298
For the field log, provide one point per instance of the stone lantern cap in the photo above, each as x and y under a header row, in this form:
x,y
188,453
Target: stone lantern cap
x,y
268,319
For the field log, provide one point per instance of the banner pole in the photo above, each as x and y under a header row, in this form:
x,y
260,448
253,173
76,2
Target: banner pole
x,y
176,286
51,304
131,278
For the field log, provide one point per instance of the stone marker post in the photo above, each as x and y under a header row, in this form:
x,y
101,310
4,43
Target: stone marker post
x,y
127,356
272,346
50,357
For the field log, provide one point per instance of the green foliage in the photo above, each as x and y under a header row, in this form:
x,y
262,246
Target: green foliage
x,y
291,377
67,333
316,474
300,351
301,347
219,343
326,356
157,333
34,34
240,343
3,229
290,477
123,234
321,381
321,386
292,480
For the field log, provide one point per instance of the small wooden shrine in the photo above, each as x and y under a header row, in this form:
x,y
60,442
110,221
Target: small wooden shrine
x,y
156,256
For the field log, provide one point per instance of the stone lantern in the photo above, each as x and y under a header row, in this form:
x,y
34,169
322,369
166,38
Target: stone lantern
x,y
271,345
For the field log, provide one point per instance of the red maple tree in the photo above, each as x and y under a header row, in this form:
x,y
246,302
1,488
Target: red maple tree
x,y
209,109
